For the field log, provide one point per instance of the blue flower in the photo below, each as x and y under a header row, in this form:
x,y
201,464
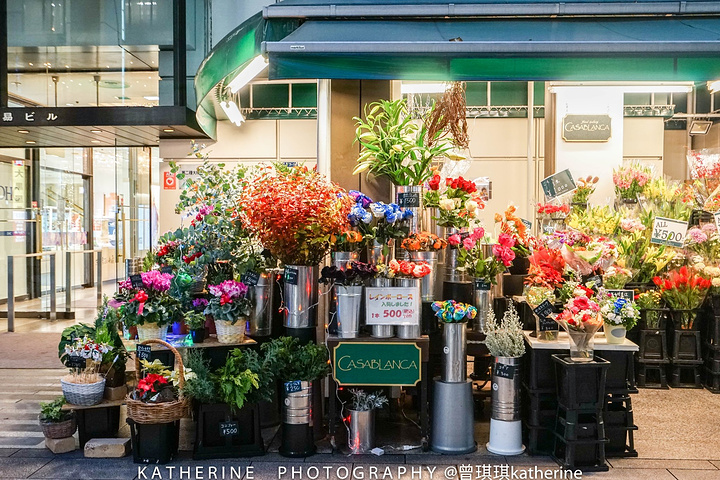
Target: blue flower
x,y
360,198
378,209
358,214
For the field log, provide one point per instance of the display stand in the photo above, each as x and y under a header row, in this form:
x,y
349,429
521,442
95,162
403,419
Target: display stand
x,y
97,421
335,344
711,352
213,350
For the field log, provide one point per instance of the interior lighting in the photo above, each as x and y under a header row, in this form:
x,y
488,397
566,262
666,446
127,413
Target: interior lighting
x,y
168,130
23,131
658,89
152,98
96,131
252,70
700,127
422,88
30,142
233,112
713,86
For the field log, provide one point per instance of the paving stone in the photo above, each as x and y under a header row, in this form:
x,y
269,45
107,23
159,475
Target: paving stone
x,y
19,442
631,474
60,445
87,469
716,463
6,452
44,453
19,427
107,447
696,474
656,463
21,467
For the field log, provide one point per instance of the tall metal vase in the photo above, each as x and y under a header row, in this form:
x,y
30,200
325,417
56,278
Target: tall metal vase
x,y
381,331
297,419
455,350
379,253
505,423
410,197
483,302
409,331
301,296
342,260
362,431
427,283
347,301
261,296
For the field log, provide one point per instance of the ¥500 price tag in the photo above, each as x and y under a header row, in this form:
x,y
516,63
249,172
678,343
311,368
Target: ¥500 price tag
x,y
392,306
667,231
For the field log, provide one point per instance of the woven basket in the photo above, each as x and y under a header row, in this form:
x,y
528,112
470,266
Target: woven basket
x,y
84,394
62,429
165,412
229,333
151,331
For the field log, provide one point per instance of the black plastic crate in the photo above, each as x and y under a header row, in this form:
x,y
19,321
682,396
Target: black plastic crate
x,y
586,429
620,442
154,442
652,375
712,331
621,373
686,347
581,385
539,370
653,346
97,422
538,440
585,456
224,433
686,376
712,381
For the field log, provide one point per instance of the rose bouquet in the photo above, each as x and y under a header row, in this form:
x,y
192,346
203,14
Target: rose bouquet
x,y
355,275
150,303
378,221
512,225
712,273
294,212
630,180
456,199
616,277
704,241
423,242
683,290
228,301
478,259
552,211
581,319
405,269
618,311
705,168
451,311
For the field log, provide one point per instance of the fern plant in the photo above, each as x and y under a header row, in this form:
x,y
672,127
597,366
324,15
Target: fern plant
x,y
291,361
235,381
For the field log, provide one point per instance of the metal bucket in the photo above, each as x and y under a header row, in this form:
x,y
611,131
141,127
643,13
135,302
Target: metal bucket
x,y
261,296
506,391
381,331
342,260
301,296
409,331
376,255
451,265
297,406
483,302
427,283
411,195
347,302
362,431
455,352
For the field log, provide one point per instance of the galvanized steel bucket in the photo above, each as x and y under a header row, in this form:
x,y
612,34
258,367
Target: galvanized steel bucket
x,y
301,296
362,431
347,302
411,195
297,406
483,302
381,331
427,283
409,331
454,353
505,390
261,296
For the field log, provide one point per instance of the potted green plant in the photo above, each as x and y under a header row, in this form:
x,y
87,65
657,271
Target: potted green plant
x,y
229,307
56,422
297,367
146,303
619,316
362,420
196,323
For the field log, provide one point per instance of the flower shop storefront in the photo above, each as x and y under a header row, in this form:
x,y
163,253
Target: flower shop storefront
x,y
302,298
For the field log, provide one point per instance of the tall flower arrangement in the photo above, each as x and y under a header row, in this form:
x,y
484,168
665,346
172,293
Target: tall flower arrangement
x,y
512,225
684,290
378,221
149,303
473,260
294,212
630,180
456,199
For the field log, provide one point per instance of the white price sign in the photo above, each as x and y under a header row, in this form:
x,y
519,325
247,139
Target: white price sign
x,y
717,220
667,231
392,306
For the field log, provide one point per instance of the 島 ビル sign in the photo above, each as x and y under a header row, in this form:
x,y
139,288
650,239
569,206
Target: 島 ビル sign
x,y
586,128
377,363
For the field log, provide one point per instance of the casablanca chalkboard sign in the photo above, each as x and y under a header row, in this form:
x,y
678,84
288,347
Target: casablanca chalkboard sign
x,y
377,363
586,128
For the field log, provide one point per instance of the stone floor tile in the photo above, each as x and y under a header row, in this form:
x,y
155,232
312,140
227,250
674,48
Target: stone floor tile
x,y
657,463
45,453
6,452
716,463
21,467
275,457
88,469
630,474
696,474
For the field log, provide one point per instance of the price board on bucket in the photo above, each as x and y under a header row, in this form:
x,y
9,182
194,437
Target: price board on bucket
x,y
392,306
670,232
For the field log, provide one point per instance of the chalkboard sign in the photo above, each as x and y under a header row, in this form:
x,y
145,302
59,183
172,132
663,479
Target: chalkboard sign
x,y
229,429
481,284
547,325
544,309
558,184
377,363
136,281
628,295
250,278
143,352
527,223
166,269
291,276
595,280
503,370
294,386
75,361
409,200
586,128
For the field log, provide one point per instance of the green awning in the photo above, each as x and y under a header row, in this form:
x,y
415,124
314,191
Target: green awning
x,y
501,49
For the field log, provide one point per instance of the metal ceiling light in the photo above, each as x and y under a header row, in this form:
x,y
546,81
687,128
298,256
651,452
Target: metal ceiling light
x,y
700,127
256,66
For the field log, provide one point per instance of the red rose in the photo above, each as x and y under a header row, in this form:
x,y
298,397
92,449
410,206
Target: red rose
x,y
434,182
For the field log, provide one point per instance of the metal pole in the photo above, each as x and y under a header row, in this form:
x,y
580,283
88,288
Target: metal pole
x,y
53,299
323,127
11,295
68,280
531,151
98,280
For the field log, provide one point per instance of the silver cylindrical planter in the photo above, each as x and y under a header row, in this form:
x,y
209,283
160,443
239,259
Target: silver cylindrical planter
x,y
362,431
342,260
451,264
506,389
381,331
427,283
483,303
301,296
453,425
261,296
410,197
347,302
379,253
297,406
455,353
409,331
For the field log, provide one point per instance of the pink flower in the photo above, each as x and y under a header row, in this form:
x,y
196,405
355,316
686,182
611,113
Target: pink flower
x,y
506,240
697,235
469,243
394,266
454,239
505,254
477,234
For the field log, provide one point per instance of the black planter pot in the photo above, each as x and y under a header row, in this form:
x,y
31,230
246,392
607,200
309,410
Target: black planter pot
x,y
154,442
520,266
198,336
114,377
686,346
513,284
297,441
298,420
653,345
224,433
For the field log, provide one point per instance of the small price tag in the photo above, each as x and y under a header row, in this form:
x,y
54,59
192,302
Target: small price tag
x,y
229,429
136,281
75,361
392,306
143,352
544,309
250,278
294,386
503,370
595,281
409,200
628,295
291,276
547,325
166,269
482,284
558,184
670,232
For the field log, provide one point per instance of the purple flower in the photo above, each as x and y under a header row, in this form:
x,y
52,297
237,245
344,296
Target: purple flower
x,y
697,235
360,198
231,288
200,303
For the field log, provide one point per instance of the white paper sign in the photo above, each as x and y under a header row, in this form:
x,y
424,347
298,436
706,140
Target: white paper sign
x,y
392,306
667,231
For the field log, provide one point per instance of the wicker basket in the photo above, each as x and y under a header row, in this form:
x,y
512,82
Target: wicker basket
x,y
85,394
165,412
151,331
229,333
62,429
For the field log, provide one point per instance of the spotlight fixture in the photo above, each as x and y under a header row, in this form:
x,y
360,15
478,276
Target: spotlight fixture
x,y
700,127
168,130
30,142
23,131
256,66
96,131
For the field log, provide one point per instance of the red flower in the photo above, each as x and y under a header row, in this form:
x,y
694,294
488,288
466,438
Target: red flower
x,y
224,298
434,182
141,296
